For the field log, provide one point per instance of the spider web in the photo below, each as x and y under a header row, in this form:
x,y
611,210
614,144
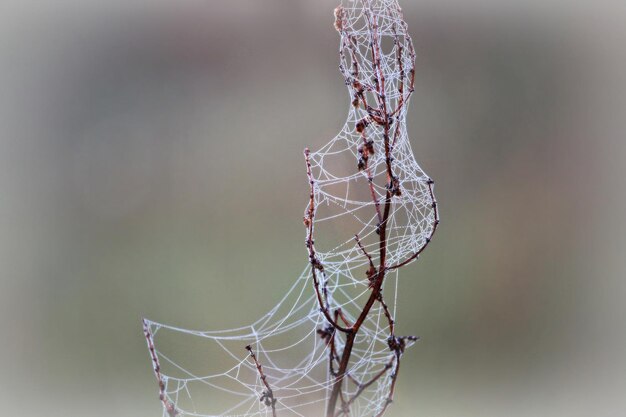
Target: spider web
x,y
210,373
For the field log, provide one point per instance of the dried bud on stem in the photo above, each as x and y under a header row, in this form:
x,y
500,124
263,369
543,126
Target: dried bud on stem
x,y
394,187
339,18
361,125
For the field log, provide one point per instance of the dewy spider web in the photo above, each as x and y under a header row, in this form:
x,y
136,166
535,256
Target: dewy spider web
x,y
288,361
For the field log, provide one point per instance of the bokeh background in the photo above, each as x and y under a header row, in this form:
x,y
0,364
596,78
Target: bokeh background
x,y
150,163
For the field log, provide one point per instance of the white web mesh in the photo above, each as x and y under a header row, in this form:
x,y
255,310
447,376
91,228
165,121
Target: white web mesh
x,y
211,373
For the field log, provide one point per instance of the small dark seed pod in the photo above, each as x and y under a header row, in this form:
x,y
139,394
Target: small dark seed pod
x,y
361,125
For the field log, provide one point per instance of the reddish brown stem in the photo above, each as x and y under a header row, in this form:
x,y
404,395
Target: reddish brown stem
x,y
382,228
367,255
268,395
392,389
366,152
316,265
156,366
343,317
387,315
417,253
363,387
383,117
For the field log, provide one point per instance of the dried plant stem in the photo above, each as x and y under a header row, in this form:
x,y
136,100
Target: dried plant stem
x,y
268,395
382,116
417,253
156,366
316,265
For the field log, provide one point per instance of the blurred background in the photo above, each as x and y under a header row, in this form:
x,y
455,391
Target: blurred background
x,y
150,162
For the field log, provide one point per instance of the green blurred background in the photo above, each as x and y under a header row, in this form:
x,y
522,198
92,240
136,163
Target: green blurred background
x,y
150,162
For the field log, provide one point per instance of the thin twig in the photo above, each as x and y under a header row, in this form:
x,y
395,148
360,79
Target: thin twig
x,y
384,118
417,253
382,227
156,366
316,265
268,395
363,387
